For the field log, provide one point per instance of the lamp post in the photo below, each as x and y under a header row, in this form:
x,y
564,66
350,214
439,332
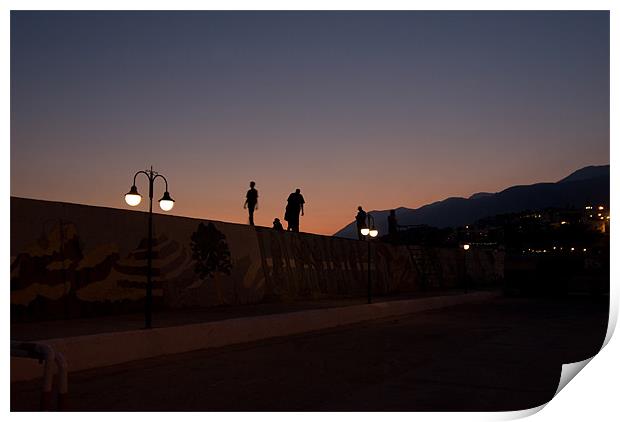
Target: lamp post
x,y
369,232
133,198
466,247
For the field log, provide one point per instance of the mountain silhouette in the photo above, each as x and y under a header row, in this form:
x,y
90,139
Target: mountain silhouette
x,y
590,172
589,185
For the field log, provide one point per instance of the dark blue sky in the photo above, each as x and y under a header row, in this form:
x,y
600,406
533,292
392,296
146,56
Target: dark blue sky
x,y
383,109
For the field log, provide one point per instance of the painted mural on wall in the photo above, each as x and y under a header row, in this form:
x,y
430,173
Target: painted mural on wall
x,y
71,260
70,266
211,256
44,269
395,270
309,266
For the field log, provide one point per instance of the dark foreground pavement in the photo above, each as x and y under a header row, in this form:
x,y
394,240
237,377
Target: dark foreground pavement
x,y
40,330
493,356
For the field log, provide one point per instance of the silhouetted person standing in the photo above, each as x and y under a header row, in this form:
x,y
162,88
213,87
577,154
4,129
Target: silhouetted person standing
x,y
392,226
251,202
360,220
277,225
295,204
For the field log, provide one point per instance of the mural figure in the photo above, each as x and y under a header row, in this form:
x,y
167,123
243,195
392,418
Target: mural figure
x,y
211,253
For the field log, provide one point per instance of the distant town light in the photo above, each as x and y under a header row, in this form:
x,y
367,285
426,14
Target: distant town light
x,y
466,247
584,249
554,248
589,207
563,222
600,207
572,249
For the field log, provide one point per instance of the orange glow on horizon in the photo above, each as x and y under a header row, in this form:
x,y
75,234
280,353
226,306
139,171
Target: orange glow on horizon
x,y
331,198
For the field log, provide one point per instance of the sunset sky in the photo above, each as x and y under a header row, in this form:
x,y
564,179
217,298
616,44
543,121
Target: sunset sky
x,y
380,109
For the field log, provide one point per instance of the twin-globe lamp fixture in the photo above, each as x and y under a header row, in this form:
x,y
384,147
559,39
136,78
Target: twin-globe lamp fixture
x,y
369,230
166,203
372,232
133,198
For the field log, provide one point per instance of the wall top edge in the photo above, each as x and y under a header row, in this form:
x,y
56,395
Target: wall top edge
x,y
163,216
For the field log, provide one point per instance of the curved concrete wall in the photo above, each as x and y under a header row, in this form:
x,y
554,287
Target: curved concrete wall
x,y
70,260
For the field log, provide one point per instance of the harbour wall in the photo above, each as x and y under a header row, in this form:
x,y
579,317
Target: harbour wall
x,y
72,261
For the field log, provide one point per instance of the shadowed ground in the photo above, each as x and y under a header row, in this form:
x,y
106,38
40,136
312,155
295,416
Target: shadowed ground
x,y
39,330
500,355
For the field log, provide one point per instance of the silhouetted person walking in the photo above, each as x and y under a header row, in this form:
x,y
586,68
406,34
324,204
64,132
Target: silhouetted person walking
x,y
360,220
392,226
251,202
295,203
277,225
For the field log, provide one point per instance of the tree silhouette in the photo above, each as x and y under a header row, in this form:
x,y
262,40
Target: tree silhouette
x,y
211,253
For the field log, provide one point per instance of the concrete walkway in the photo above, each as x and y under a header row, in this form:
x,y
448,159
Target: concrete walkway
x,y
503,354
120,346
42,330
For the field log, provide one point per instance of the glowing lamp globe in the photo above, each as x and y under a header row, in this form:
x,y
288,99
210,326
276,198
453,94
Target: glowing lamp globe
x,y
374,232
365,231
132,197
166,203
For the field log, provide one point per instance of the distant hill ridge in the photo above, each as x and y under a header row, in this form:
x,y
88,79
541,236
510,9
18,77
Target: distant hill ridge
x,y
585,173
588,185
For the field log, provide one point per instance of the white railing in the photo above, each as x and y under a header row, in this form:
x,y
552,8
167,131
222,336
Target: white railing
x,y
46,355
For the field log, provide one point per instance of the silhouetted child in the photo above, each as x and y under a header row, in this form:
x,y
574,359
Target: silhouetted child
x,y
295,203
251,202
277,225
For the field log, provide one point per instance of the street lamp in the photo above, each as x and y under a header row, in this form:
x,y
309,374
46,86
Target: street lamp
x,y
466,247
369,232
133,198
